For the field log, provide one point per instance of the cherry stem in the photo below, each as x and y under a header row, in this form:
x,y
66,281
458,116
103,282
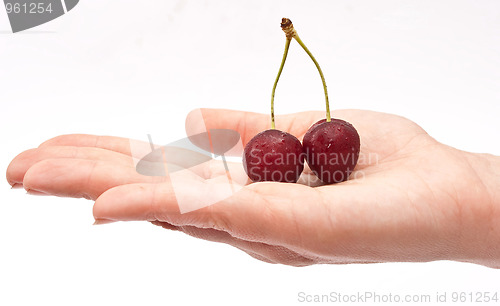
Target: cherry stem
x,y
287,45
297,38
290,32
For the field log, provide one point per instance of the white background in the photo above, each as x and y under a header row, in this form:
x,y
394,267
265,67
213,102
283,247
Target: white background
x,y
129,68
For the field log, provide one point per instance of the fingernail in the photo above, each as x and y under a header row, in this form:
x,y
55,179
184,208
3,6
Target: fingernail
x,y
103,221
16,186
36,193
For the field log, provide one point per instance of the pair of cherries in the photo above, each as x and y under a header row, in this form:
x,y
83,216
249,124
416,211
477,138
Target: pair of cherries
x,y
331,150
330,146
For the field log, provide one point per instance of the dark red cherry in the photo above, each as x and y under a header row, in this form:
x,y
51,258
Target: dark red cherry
x,y
273,155
332,150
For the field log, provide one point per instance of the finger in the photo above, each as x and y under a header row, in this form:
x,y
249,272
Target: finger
x,y
138,150
21,163
181,194
79,177
135,202
269,213
117,144
130,147
247,124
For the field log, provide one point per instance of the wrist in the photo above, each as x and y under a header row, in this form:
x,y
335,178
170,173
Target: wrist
x,y
486,169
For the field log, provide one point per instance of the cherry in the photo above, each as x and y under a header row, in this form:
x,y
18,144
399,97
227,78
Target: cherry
x,y
273,155
332,150
331,145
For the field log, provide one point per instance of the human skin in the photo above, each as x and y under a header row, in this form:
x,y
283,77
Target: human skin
x,y
417,201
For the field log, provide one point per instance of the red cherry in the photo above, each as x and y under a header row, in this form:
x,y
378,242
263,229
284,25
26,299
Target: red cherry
x,y
273,155
332,150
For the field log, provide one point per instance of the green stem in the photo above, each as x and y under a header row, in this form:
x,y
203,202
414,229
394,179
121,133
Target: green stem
x,y
287,45
297,38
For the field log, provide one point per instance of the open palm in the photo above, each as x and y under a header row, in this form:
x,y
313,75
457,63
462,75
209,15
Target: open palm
x,y
409,199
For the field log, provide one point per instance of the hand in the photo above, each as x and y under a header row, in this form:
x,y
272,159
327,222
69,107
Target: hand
x,y
411,198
